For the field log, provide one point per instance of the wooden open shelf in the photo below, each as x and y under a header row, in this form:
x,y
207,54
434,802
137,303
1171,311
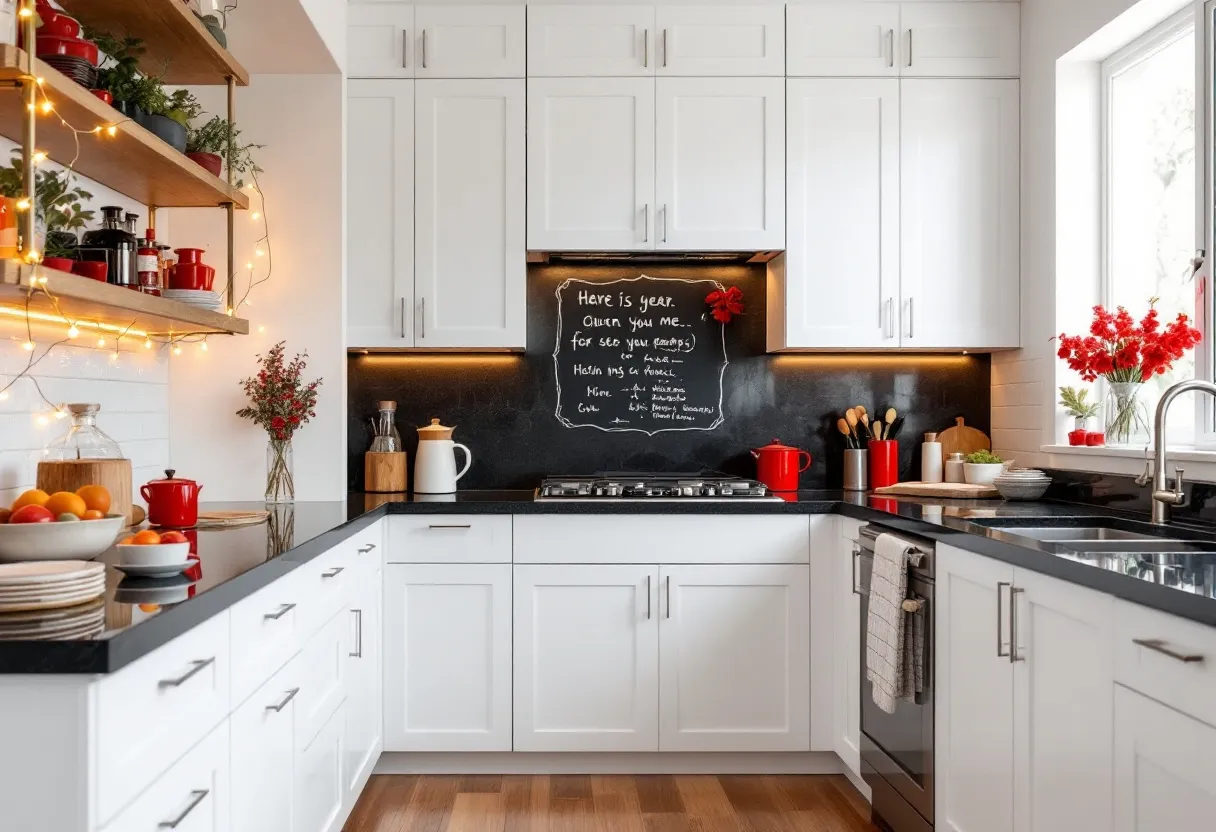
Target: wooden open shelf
x,y
88,301
133,162
170,32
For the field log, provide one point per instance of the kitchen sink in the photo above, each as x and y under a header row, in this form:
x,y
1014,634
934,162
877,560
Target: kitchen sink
x,y
1059,534
1111,533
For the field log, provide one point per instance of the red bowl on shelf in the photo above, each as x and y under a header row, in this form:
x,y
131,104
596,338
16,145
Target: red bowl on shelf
x,y
92,269
104,95
63,264
212,162
57,23
72,47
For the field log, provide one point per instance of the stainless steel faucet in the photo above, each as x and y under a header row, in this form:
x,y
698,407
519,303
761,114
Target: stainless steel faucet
x,y
1163,497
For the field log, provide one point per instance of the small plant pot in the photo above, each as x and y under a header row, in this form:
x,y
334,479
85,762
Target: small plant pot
x,y
129,110
1095,439
212,162
92,269
1077,437
63,264
165,129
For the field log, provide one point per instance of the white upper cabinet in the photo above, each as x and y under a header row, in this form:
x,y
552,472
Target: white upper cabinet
x,y
841,280
380,213
591,164
959,217
469,197
978,40
721,40
840,39
454,41
720,161
579,41
379,40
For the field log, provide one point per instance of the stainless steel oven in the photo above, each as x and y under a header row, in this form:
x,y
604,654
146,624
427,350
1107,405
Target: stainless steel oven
x,y
897,749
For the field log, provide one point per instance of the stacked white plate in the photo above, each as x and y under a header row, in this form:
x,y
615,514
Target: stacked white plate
x,y
194,297
1022,484
46,585
79,622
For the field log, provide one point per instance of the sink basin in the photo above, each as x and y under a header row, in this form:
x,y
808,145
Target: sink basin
x,y
1069,534
1138,546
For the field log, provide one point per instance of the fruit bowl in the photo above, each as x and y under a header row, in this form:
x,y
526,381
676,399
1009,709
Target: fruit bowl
x,y
83,540
155,554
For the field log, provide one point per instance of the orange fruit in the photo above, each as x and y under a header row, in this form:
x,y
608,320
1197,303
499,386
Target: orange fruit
x,y
93,514
65,502
33,497
146,538
127,541
96,497
149,607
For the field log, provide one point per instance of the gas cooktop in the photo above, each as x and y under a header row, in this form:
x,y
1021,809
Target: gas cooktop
x,y
697,487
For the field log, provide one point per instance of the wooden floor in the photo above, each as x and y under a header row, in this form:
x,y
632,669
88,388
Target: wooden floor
x,y
573,803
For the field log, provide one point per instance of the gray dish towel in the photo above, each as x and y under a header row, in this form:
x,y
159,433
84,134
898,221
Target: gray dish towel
x,y
895,631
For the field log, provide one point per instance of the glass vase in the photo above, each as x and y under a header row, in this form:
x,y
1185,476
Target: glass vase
x,y
1126,413
280,476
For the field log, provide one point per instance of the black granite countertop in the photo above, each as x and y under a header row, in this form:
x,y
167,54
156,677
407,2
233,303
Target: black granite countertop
x,y
138,615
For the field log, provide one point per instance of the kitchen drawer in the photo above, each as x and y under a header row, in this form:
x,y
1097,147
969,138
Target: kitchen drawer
x,y
267,630
669,539
1184,677
850,529
322,676
450,538
150,713
192,796
366,548
328,581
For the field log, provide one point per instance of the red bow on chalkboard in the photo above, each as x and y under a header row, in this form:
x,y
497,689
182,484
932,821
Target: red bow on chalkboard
x,y
726,304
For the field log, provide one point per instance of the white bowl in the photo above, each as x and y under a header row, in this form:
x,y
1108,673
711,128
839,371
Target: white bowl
x,y
155,554
982,473
1022,490
82,540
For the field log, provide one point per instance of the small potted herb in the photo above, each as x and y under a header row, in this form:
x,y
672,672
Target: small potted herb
x,y
982,467
1077,404
59,213
208,145
164,115
118,74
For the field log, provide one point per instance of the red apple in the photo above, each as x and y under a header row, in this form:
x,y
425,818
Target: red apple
x,y
31,514
173,537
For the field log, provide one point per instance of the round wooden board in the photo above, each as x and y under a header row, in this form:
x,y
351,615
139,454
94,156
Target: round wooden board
x,y
961,439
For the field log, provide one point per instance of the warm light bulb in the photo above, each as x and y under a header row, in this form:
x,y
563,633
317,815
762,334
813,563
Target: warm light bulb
x,y
46,105
42,280
203,346
101,342
261,329
40,80
255,216
42,421
112,130
39,157
23,204
260,253
3,395
97,129
177,350
147,343
73,331
61,414
114,358
229,311
28,346
25,12
247,303
249,265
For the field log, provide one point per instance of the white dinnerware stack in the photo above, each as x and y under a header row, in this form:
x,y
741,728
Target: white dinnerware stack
x,y
1022,484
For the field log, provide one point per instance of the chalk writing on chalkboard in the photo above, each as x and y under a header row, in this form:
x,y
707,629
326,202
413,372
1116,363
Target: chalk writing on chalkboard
x,y
638,354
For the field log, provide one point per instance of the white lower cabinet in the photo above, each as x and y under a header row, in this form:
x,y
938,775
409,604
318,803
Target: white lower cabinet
x,y
734,673
586,658
364,716
319,791
263,756
1165,767
846,669
447,657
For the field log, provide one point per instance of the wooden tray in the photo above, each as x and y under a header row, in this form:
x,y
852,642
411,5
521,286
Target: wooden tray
x,y
950,490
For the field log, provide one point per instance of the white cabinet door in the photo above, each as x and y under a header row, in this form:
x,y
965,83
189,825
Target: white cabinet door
x,y
380,206
586,658
319,792
591,164
720,161
1165,767
582,41
976,40
378,40
841,39
323,666
721,40
263,756
734,647
469,213
847,657
973,734
455,41
447,657
842,259
959,215
364,717
1063,705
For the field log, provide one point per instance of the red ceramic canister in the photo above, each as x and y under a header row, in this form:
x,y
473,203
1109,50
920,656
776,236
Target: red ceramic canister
x,y
884,462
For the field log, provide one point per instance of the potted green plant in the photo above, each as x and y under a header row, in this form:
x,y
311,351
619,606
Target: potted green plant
x,y
118,74
982,467
208,145
1077,404
165,116
59,212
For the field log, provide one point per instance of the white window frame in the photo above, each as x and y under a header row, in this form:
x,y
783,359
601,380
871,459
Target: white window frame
x,y
1154,40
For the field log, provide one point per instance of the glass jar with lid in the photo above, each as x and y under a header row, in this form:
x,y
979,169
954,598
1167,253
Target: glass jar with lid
x,y
83,439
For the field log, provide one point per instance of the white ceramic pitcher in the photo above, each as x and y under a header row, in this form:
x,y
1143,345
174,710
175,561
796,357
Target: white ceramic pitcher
x,y
435,462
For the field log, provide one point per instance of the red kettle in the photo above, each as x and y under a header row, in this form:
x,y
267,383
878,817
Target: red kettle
x,y
777,466
172,501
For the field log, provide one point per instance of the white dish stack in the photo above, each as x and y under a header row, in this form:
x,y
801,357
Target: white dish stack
x,y
48,585
195,297
1022,484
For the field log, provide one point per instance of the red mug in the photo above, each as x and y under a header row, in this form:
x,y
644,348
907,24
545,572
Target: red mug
x,y
172,501
777,466
884,462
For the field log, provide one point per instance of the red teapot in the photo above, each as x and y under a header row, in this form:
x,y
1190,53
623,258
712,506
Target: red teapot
x,y
777,465
172,501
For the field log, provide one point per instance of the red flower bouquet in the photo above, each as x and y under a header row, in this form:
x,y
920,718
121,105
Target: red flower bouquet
x,y
725,303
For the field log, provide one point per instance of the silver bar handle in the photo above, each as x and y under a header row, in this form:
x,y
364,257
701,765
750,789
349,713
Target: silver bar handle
x,y
196,667
424,48
358,654
1161,646
423,333
196,797
891,48
664,222
645,48
647,597
888,324
1000,619
403,317
909,47
450,526
405,46
856,555
911,316
664,47
279,613
333,573
668,596
363,550
1014,592
282,703
646,223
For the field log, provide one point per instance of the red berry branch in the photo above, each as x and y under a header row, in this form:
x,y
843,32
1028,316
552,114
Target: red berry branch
x,y
1121,350
279,401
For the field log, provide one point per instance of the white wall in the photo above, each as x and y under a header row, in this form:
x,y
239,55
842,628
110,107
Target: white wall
x,y
300,119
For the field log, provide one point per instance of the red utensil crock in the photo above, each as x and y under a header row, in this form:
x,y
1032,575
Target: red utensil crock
x,y
94,269
188,276
884,462
172,501
777,465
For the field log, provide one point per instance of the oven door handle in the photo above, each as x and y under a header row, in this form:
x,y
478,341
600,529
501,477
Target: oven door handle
x,y
858,554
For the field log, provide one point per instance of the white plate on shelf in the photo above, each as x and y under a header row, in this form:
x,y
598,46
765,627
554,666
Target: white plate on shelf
x,y
154,570
34,573
47,592
50,602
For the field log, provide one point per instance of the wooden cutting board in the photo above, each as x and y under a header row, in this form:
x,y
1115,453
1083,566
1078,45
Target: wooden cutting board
x,y
949,490
961,439
230,519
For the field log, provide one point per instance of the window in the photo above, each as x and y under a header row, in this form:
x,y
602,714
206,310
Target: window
x,y
1150,187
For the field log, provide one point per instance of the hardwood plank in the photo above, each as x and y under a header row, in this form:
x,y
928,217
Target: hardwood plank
x,y
658,793
431,805
383,804
616,804
477,812
755,802
670,822
854,798
526,799
706,802
574,811
480,784
815,804
569,786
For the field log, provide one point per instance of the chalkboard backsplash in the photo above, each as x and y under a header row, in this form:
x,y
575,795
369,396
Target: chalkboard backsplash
x,y
504,406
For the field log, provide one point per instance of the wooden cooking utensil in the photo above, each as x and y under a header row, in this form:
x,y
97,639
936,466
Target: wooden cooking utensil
x,y
962,439
71,474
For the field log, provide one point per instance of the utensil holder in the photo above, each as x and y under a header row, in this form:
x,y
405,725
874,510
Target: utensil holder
x,y
384,472
856,470
884,462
